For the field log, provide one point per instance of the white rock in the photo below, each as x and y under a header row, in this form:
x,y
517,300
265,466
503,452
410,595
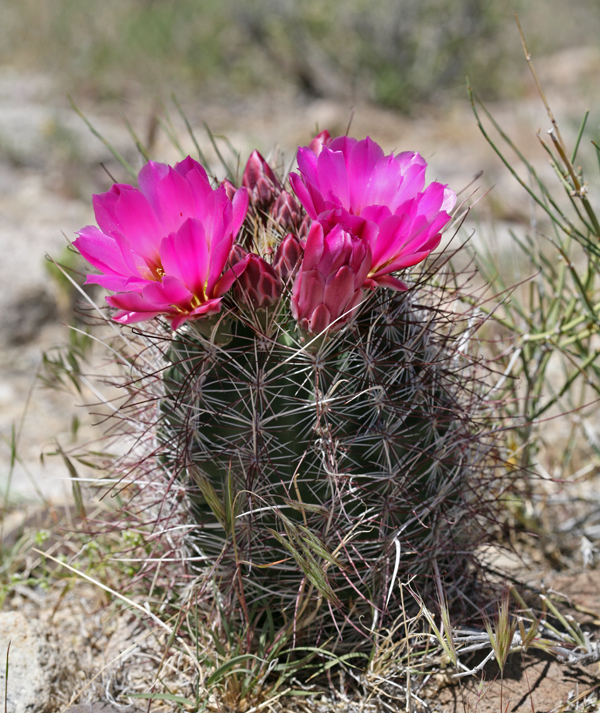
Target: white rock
x,y
30,664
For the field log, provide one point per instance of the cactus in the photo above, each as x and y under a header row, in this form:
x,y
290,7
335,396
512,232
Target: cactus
x,y
311,471
322,464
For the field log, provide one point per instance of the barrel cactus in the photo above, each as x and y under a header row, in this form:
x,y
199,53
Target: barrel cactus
x,y
323,417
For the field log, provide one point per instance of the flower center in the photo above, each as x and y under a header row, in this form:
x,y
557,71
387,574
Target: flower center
x,y
153,272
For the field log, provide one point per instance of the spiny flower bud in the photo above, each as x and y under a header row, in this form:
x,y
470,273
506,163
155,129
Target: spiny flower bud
x,y
262,184
258,286
304,228
286,211
287,258
230,189
328,287
236,255
321,139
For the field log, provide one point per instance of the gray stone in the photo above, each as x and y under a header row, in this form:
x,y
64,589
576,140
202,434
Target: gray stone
x,y
31,664
28,313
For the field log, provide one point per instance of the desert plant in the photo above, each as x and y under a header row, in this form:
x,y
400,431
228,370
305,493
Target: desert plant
x,y
547,328
326,422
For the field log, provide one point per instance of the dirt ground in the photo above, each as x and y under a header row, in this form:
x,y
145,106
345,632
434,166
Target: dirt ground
x,y
536,681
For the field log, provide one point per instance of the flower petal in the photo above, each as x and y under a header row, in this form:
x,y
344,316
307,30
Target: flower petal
x,y
339,291
124,317
170,292
185,255
209,307
240,208
102,251
319,320
393,283
132,306
190,165
305,196
361,163
129,213
307,164
333,178
226,281
315,244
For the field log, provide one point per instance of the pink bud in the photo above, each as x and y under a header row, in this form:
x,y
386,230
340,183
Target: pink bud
x,y
286,211
286,262
328,287
262,184
258,285
321,139
304,227
237,254
230,189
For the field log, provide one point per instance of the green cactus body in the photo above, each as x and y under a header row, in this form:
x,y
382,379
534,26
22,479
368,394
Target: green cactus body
x,y
321,475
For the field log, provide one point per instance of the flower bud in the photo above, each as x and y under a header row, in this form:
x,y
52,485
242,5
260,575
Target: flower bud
x,y
286,262
258,286
237,254
230,189
321,139
328,287
262,184
286,211
304,228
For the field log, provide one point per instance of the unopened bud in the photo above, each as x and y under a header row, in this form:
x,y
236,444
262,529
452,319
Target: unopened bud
x,y
230,189
262,184
286,211
288,258
236,255
258,286
329,285
321,139
304,228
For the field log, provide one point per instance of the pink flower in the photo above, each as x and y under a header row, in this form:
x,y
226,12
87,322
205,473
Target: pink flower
x,y
163,247
328,287
382,198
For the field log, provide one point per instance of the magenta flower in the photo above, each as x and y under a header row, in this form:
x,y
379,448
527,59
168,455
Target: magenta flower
x,y
381,198
163,247
328,287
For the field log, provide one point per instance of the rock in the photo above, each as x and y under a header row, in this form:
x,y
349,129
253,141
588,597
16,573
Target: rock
x,y
31,664
27,314
37,129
